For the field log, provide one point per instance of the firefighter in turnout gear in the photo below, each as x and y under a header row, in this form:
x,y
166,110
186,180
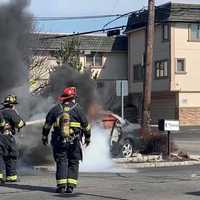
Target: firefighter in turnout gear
x,y
8,149
69,125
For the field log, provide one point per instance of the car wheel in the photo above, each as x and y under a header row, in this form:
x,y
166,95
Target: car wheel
x,y
127,149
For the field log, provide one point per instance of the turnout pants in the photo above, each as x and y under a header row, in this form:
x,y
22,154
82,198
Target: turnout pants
x,y
67,156
8,157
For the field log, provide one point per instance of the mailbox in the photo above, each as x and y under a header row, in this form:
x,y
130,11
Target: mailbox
x,y
168,125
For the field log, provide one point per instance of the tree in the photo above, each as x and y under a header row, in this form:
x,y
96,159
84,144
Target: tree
x,y
38,63
39,71
69,53
43,61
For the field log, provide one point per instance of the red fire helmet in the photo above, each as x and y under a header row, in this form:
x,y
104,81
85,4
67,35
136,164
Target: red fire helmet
x,y
68,93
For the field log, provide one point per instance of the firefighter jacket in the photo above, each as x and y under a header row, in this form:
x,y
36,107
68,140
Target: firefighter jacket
x,y
78,122
12,119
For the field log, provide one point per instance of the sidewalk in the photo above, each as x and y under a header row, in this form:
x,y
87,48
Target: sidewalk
x,y
137,162
155,161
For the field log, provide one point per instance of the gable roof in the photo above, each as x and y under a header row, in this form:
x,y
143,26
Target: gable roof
x,y
170,12
87,42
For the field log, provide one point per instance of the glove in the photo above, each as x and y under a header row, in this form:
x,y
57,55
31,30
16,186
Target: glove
x,y
45,140
87,142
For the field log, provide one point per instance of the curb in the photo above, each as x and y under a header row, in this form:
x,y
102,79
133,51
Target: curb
x,y
130,165
156,164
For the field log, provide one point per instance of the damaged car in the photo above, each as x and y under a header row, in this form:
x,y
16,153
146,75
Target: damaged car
x,y
127,138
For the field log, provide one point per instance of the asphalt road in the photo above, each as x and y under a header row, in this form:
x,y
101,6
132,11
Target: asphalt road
x,y
178,183
188,140
152,184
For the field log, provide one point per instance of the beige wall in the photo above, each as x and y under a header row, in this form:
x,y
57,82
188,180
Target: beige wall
x,y
189,100
182,48
136,51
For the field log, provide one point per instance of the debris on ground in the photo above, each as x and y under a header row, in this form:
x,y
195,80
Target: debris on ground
x,y
139,158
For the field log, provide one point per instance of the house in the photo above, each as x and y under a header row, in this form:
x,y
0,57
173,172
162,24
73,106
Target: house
x,y
176,69
106,58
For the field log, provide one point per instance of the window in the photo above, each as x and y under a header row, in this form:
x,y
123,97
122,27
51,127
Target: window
x,y
138,73
194,32
161,70
89,60
94,60
97,60
180,65
165,32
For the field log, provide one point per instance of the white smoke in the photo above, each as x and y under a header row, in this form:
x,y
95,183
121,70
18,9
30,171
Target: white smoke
x,y
96,157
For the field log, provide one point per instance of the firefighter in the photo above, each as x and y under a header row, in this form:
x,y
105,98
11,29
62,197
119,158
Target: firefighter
x,y
69,125
8,147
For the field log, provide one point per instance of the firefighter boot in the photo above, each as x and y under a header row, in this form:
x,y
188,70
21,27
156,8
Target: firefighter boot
x,y
69,189
60,190
12,179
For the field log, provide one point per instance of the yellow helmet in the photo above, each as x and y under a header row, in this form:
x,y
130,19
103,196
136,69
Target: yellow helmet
x,y
10,100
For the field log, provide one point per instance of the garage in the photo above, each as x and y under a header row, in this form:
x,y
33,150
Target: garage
x,y
163,108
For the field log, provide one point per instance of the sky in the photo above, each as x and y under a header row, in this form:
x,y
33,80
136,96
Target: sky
x,y
69,8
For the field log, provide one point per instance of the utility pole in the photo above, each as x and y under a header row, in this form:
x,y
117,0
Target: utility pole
x,y
146,117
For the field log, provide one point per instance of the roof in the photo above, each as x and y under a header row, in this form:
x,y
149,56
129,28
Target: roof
x,y
170,12
87,42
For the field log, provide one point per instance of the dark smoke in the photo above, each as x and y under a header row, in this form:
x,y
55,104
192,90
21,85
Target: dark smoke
x,y
15,26
65,76
15,42
33,153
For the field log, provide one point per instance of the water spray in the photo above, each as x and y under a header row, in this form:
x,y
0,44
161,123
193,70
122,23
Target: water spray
x,y
35,122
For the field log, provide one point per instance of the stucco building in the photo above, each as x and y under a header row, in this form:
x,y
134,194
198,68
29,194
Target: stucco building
x,y
176,69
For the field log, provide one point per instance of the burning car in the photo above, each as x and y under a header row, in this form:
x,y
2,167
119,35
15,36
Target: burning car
x,y
128,138
125,137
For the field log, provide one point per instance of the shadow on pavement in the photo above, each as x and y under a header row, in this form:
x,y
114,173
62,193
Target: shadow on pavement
x,y
78,194
30,187
197,193
52,190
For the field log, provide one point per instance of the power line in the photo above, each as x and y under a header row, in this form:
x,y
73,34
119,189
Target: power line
x,y
74,18
103,29
83,33
82,17
124,15
118,17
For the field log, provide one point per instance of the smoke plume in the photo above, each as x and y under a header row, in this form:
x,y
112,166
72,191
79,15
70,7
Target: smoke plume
x,y
97,158
38,106
15,26
66,76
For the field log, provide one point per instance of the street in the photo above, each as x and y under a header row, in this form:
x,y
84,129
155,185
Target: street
x,y
175,183
155,184
188,140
